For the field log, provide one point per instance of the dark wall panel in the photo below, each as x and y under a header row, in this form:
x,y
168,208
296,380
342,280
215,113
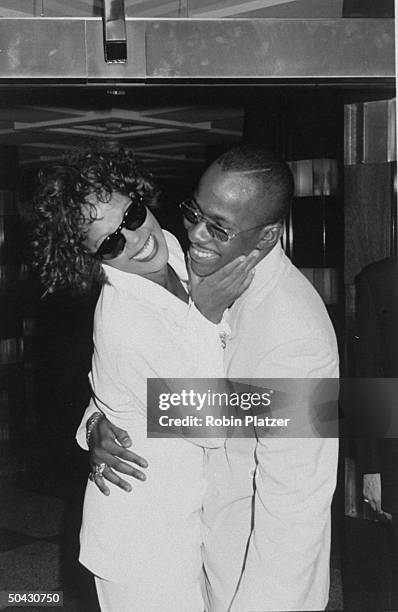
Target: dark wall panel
x,y
367,189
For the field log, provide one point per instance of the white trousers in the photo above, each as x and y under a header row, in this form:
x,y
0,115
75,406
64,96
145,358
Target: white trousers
x,y
269,551
147,544
116,597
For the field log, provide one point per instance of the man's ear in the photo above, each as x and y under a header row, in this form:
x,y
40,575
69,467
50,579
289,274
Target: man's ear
x,y
270,236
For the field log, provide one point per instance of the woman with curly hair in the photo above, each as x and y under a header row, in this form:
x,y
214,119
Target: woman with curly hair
x,y
94,220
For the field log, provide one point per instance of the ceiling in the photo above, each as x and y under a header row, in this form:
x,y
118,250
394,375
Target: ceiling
x,y
172,129
216,9
172,137
176,8
171,140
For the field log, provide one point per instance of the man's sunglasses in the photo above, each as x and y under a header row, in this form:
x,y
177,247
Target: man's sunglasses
x,y
192,214
114,244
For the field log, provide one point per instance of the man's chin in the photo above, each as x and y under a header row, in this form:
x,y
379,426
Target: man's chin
x,y
204,269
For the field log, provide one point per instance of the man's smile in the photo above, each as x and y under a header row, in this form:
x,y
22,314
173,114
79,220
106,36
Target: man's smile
x,y
199,253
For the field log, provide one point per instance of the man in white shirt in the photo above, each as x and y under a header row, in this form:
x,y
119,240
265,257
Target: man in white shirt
x,y
266,514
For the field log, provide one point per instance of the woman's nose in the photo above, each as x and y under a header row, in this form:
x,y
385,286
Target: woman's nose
x,y
132,237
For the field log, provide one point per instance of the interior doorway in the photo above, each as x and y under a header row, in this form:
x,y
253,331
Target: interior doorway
x,y
176,131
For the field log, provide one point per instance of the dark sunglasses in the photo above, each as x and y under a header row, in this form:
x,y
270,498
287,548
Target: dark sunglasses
x,y
192,214
113,244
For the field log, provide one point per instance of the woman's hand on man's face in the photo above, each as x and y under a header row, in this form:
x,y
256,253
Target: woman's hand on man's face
x,y
213,294
109,445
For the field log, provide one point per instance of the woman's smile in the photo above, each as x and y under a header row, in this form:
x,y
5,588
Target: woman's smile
x,y
148,250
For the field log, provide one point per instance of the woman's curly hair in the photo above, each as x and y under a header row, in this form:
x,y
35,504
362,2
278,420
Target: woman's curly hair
x,y
60,212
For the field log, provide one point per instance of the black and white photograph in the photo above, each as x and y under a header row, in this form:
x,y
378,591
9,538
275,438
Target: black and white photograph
x,y
199,306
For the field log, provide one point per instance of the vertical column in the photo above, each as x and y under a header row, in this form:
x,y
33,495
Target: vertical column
x,y
369,200
11,333
369,170
370,224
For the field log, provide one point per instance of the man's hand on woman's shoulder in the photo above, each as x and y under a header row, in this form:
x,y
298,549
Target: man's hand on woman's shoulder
x,y
215,293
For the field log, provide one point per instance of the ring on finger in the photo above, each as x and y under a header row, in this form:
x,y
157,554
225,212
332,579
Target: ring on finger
x,y
98,469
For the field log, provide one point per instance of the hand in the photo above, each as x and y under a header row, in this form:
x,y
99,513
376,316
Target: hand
x,y
372,491
214,293
109,444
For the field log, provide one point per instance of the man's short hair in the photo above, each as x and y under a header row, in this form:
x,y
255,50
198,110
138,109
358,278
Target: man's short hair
x,y
271,174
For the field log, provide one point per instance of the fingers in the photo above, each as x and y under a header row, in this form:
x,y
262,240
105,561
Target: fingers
x,y
113,461
110,442
133,458
240,268
110,475
100,483
230,275
233,267
229,278
239,280
225,275
188,263
110,450
246,283
121,436
253,258
191,274
109,447
99,480
249,261
126,468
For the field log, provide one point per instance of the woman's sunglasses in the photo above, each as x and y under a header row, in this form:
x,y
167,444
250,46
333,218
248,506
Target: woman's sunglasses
x,y
113,244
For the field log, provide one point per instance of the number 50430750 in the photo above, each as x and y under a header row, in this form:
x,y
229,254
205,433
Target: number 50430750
x,y
32,598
